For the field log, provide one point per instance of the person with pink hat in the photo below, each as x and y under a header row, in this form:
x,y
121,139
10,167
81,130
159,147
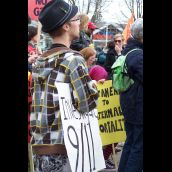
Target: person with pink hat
x,y
98,73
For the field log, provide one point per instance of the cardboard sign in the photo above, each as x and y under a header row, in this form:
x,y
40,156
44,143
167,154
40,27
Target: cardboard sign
x,y
111,119
34,8
81,134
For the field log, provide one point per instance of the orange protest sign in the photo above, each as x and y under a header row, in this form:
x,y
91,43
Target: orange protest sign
x,y
126,32
34,8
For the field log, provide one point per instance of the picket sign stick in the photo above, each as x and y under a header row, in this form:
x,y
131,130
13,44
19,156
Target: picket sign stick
x,y
30,157
38,50
114,158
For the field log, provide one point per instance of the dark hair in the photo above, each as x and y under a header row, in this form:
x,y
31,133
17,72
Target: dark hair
x,y
32,31
110,45
55,32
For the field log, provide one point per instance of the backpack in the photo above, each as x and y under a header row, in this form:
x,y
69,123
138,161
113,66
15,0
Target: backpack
x,y
120,78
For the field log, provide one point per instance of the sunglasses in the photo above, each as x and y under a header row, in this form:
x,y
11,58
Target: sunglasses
x,y
118,41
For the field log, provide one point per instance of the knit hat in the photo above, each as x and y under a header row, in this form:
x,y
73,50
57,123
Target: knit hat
x,y
55,13
98,72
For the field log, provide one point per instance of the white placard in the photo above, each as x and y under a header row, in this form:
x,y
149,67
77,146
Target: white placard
x,y
81,135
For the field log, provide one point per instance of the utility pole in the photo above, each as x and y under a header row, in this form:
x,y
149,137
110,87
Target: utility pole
x,y
106,35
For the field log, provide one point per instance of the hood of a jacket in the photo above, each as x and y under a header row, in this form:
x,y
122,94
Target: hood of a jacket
x,y
132,44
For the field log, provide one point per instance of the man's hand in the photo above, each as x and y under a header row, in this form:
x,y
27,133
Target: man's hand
x,y
118,49
101,81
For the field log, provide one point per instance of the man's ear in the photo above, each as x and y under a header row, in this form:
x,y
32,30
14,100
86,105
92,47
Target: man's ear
x,y
66,26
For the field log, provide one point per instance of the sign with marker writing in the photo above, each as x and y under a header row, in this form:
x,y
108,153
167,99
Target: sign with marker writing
x,y
110,116
35,7
81,134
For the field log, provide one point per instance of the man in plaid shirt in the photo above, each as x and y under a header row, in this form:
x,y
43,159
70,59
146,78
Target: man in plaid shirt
x,y
58,64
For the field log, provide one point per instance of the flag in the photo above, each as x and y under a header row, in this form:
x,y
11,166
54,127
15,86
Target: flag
x,y
126,32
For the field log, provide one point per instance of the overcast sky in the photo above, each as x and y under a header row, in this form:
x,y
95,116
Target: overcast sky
x,y
113,13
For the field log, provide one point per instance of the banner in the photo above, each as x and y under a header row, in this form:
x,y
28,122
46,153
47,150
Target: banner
x,y
34,8
111,119
99,36
81,134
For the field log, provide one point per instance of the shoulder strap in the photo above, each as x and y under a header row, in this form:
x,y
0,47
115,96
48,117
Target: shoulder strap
x,y
125,70
133,50
59,50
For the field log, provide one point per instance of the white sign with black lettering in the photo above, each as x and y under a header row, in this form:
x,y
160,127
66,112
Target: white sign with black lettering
x,y
81,135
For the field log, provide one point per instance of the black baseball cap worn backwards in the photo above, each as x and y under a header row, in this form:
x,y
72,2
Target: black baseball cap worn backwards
x,y
55,13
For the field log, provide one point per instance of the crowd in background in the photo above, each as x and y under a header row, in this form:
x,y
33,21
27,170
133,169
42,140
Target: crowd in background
x,y
98,66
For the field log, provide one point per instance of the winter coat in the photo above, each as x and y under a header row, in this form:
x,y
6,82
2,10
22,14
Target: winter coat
x,y
111,57
82,42
132,99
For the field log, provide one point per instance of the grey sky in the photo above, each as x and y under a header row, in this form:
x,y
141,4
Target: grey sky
x,y
113,13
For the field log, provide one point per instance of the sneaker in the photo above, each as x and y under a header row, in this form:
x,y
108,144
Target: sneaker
x,y
120,144
109,165
117,149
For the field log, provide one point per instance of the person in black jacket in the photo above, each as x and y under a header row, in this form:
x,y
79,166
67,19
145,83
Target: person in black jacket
x,y
84,40
114,51
132,103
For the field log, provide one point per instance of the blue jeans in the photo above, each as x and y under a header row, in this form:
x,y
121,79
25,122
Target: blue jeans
x,y
132,155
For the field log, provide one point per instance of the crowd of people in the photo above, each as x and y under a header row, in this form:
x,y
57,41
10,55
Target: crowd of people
x,y
72,58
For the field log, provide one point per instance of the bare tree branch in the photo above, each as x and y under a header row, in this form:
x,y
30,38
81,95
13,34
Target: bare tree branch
x,y
123,14
93,19
88,7
105,6
98,9
135,7
129,6
82,6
